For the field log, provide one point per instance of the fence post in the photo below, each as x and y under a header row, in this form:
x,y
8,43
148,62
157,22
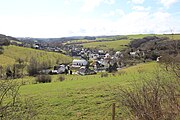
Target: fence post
x,y
113,111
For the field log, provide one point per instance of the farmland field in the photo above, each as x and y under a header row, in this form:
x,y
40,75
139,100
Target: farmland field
x,y
116,45
82,97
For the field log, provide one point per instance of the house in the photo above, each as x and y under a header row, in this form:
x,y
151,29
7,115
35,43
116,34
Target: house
x,y
86,71
93,56
97,65
35,46
133,54
79,63
60,69
101,54
158,58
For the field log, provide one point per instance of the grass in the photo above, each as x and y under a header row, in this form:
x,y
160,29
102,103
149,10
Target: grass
x,y
139,36
116,45
81,97
120,44
77,41
12,53
173,37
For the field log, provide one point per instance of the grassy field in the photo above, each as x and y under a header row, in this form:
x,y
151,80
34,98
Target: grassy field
x,y
139,36
116,45
173,37
12,53
119,44
82,97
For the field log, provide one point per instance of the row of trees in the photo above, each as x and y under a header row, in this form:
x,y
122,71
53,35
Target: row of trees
x,y
21,68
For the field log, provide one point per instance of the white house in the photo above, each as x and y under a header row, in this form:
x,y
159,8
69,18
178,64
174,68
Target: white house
x,y
78,63
35,46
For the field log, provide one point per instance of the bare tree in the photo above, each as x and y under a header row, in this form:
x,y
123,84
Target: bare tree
x,y
12,106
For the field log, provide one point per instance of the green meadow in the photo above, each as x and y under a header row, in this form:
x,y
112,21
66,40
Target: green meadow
x,y
82,97
121,44
139,36
116,45
79,97
12,53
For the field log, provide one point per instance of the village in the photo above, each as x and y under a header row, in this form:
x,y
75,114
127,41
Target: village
x,y
88,61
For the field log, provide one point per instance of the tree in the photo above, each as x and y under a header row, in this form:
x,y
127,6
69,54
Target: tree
x,y
33,67
8,72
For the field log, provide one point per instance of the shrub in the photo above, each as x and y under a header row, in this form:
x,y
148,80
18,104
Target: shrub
x,y
12,105
33,67
1,50
104,74
156,99
43,79
61,78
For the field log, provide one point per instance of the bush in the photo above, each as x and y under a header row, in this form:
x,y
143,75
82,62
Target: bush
x,y
104,74
43,79
33,67
156,99
1,50
12,105
61,78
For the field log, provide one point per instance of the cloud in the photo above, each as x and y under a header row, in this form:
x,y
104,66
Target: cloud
x,y
90,5
117,12
137,1
67,2
168,3
145,22
137,22
141,8
109,1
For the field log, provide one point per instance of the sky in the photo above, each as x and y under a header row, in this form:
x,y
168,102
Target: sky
x,y
62,18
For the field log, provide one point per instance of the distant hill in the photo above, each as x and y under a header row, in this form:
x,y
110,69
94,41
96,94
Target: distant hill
x,y
5,40
64,39
4,37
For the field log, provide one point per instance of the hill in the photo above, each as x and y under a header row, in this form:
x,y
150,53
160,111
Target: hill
x,y
12,53
82,97
5,40
119,42
107,45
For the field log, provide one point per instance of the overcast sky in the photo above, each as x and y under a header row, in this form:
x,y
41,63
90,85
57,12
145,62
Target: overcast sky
x,y
60,18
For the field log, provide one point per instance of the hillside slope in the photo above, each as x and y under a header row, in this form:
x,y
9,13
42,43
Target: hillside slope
x,y
12,53
116,45
5,40
82,97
